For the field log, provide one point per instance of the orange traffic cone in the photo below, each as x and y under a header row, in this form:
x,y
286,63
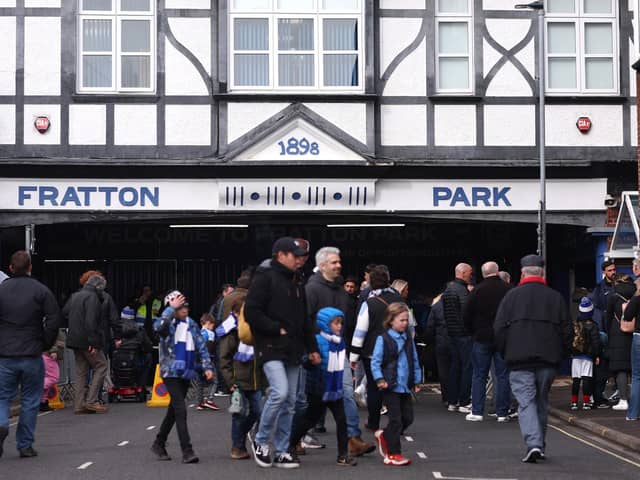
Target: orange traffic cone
x,y
159,395
53,396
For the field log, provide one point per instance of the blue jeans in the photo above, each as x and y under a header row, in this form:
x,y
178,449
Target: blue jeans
x,y
481,358
459,388
278,410
634,399
350,407
240,425
28,372
531,389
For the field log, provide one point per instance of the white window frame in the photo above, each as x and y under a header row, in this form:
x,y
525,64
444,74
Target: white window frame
x,y
580,19
318,14
452,17
116,15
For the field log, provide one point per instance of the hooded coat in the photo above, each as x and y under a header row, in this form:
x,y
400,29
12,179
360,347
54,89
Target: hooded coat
x,y
85,316
619,347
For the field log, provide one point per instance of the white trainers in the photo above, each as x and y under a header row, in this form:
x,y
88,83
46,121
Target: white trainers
x,y
474,418
452,408
621,405
465,409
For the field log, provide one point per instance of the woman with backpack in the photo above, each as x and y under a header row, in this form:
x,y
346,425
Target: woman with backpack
x,y
585,353
619,347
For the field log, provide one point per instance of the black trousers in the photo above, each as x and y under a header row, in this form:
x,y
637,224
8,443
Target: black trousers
x,y
314,412
400,417
374,397
587,386
443,358
176,412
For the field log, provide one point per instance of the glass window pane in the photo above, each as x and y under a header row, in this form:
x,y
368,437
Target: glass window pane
x,y
562,73
96,71
562,37
135,5
453,74
251,34
341,70
295,34
295,5
453,37
599,73
561,6
251,70
136,71
598,38
340,5
453,6
96,35
136,36
340,34
296,71
597,6
97,5
248,5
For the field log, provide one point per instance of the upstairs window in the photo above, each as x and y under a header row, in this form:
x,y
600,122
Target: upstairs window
x,y
454,44
296,45
581,47
116,46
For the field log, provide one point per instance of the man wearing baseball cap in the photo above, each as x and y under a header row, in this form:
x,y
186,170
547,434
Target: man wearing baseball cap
x,y
534,333
276,311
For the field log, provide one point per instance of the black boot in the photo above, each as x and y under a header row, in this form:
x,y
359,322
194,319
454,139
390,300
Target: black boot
x,y
188,456
158,448
44,406
27,452
3,434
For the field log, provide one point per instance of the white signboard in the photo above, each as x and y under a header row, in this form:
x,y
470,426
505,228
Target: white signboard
x,y
273,195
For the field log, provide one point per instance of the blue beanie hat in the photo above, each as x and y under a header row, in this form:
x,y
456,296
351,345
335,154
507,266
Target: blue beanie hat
x,y
325,315
585,310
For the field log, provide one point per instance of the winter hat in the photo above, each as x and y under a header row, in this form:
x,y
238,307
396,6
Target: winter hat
x,y
172,295
324,317
97,281
127,313
585,310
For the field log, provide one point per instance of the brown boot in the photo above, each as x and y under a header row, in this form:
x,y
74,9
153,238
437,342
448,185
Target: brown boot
x,y
237,454
96,407
300,450
358,447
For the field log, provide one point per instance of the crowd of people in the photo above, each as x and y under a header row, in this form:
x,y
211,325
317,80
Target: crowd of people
x,y
287,349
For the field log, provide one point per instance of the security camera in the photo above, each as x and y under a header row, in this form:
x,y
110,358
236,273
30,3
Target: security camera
x,y
610,201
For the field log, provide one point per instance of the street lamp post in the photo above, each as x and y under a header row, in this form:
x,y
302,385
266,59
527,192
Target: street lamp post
x,y
542,211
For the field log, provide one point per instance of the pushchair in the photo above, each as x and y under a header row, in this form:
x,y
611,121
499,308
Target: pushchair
x,y
126,368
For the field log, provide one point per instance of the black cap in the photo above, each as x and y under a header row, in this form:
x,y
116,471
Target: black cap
x,y
289,245
532,261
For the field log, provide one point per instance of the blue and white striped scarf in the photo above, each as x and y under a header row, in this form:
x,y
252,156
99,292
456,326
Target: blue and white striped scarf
x,y
335,368
245,352
185,354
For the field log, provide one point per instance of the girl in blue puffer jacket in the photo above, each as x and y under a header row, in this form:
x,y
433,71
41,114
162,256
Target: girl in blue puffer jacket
x,y
324,383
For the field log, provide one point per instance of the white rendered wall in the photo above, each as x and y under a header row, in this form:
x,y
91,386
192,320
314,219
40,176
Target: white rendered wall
x,y
42,56
87,124
188,124
7,124
455,125
403,4
135,124
404,125
243,117
31,135
510,125
500,4
349,117
410,77
194,4
43,3
7,55
181,76
606,127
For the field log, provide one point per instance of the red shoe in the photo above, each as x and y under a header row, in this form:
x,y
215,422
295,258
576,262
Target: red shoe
x,y
382,443
396,460
210,405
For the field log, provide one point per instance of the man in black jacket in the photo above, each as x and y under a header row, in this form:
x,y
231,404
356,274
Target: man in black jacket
x,y
454,299
534,333
84,314
324,289
24,303
275,309
368,327
479,315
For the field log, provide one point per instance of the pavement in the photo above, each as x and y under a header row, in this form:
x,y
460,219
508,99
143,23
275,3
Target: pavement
x,y
442,445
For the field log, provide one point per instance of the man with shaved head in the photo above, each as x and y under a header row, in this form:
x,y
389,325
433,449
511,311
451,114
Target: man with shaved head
x,y
454,299
479,316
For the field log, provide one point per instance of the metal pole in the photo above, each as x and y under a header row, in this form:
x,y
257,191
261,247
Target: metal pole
x,y
542,215
29,236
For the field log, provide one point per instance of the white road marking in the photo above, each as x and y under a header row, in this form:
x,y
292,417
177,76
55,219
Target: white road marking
x,y
122,444
85,466
422,455
603,450
409,439
192,405
151,427
439,476
40,415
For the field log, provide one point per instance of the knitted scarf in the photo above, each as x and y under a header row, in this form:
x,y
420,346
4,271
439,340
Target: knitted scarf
x,y
335,368
185,355
245,352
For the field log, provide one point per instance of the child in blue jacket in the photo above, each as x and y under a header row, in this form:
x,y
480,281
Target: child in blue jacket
x,y
324,384
396,370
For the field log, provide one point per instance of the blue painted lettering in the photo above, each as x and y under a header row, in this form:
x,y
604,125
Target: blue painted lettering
x,y
70,196
107,194
481,194
500,194
132,193
24,193
460,196
87,194
153,197
440,194
48,194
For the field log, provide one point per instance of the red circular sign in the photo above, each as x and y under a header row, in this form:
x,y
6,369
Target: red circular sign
x,y
42,124
584,124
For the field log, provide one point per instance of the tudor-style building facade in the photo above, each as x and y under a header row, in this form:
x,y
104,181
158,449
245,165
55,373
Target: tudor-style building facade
x,y
290,112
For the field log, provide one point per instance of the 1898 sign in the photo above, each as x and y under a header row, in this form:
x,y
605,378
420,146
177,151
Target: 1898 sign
x,y
301,146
